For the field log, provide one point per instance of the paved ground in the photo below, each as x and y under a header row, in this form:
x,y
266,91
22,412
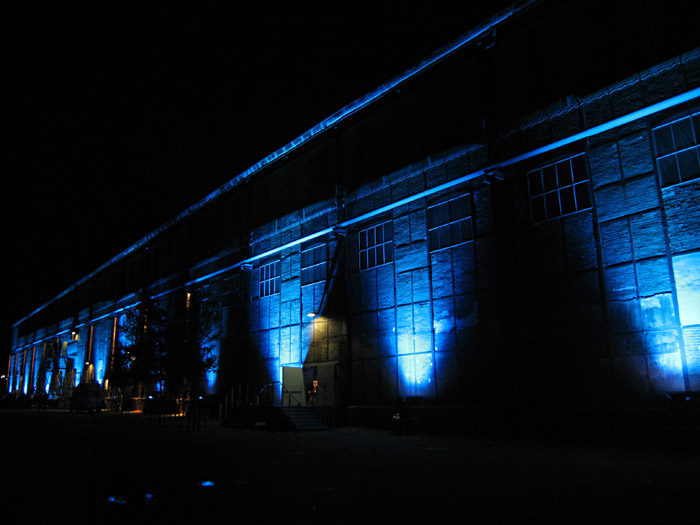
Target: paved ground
x,y
114,468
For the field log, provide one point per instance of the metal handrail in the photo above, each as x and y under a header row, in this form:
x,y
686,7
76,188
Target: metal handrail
x,y
291,396
326,407
265,387
325,396
285,398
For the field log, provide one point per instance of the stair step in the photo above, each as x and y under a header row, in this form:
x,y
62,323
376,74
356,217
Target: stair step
x,y
304,418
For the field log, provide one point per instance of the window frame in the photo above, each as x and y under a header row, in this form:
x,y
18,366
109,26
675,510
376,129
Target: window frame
x,y
573,184
690,150
448,226
321,265
269,285
368,253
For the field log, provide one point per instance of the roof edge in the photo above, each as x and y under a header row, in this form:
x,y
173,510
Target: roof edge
x,y
438,56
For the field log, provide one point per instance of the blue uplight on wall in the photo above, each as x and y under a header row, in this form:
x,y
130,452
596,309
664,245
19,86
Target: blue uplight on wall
x,y
686,269
416,371
671,364
416,365
211,375
100,372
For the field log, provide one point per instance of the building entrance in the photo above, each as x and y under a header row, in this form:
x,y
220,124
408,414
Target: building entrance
x,y
312,385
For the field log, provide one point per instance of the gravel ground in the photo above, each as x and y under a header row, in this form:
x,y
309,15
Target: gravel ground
x,y
117,468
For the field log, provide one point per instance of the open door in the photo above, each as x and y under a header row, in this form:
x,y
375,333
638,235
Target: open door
x,y
293,392
319,382
311,385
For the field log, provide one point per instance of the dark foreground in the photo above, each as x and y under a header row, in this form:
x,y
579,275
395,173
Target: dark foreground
x,y
109,468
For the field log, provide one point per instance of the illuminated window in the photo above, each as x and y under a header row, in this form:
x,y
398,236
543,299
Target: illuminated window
x,y
450,223
313,264
376,246
558,189
678,150
269,278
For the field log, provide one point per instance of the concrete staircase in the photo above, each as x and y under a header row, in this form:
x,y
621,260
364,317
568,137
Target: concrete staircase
x,y
305,418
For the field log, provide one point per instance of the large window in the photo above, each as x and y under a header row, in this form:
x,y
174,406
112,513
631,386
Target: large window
x,y
678,150
376,245
313,264
450,223
558,189
269,278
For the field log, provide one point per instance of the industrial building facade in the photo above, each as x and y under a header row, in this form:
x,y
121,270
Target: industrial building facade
x,y
431,242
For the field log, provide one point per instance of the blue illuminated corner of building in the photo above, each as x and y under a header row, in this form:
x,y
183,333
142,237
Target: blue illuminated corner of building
x,y
686,269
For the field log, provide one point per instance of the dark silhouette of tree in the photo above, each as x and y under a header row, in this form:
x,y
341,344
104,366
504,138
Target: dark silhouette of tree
x,y
140,351
167,345
190,339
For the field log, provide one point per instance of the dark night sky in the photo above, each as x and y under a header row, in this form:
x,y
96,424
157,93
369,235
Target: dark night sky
x,y
121,116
